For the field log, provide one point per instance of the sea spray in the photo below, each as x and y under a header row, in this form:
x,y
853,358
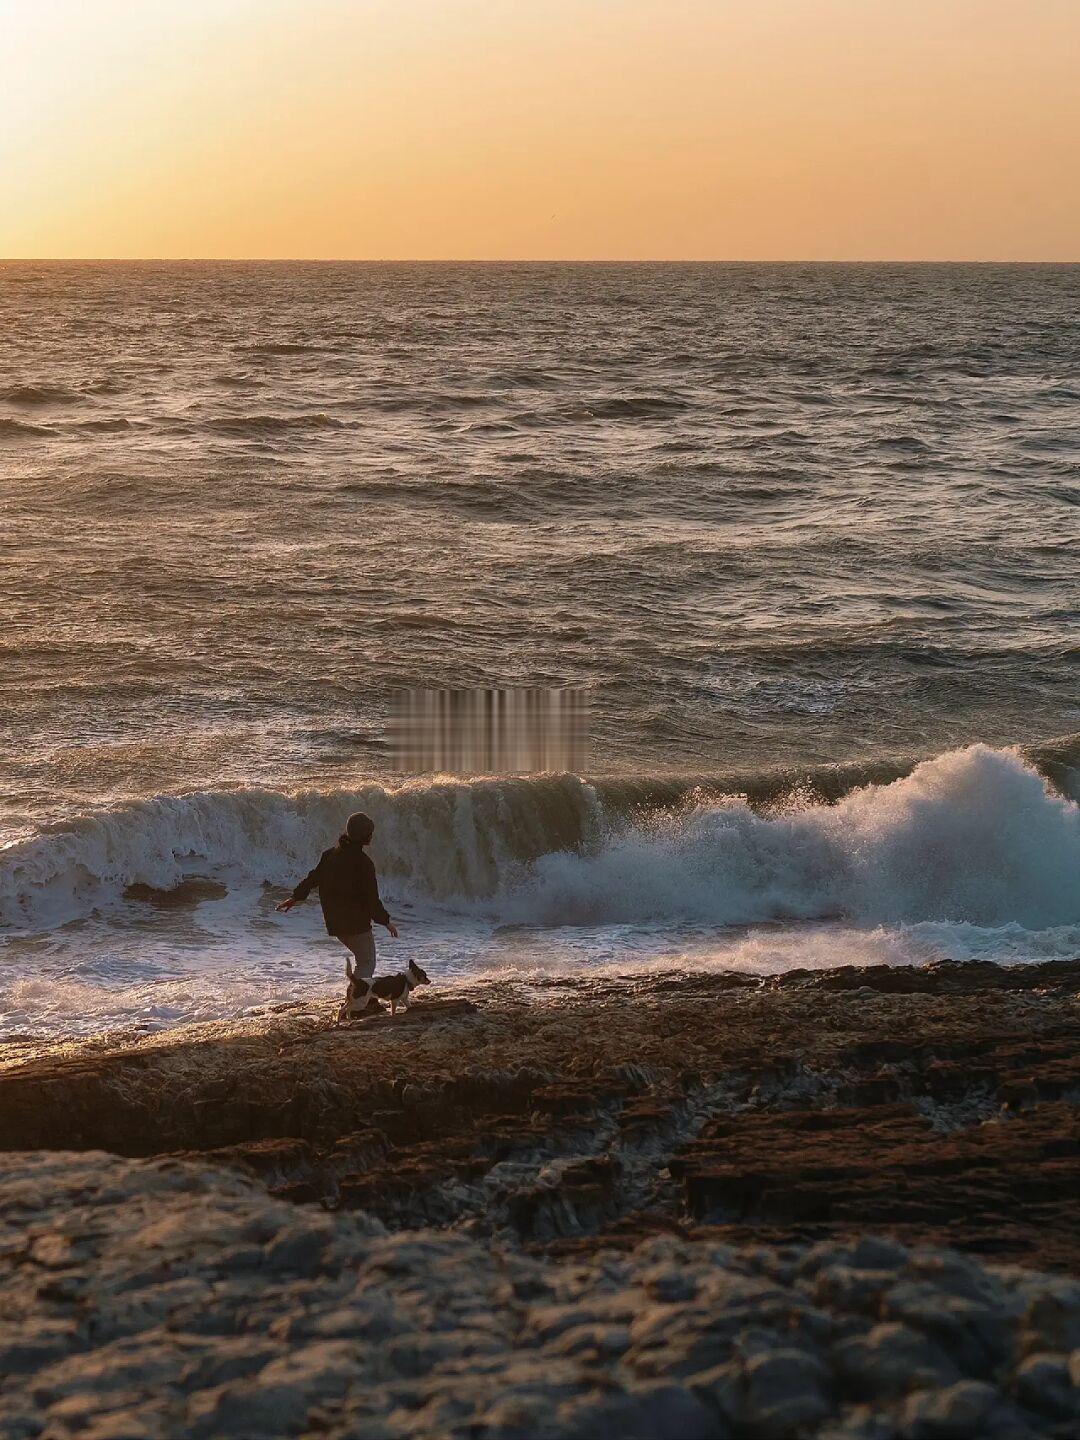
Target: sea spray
x,y
448,839
972,836
975,835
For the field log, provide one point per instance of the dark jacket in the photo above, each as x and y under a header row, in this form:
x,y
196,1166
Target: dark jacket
x,y
348,889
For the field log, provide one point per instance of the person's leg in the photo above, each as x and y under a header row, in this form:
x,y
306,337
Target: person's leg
x,y
363,964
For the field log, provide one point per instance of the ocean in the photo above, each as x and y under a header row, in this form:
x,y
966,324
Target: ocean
x,y
805,534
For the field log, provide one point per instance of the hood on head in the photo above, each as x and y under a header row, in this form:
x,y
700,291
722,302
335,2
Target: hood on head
x,y
359,829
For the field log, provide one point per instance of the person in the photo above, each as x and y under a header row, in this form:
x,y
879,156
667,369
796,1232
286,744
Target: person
x,y
349,894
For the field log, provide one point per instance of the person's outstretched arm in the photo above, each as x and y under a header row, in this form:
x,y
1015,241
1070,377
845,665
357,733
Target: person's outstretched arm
x,y
303,890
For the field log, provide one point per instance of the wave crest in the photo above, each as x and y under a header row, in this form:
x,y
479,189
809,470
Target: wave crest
x,y
974,836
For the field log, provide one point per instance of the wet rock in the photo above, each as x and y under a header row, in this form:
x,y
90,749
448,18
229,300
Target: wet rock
x,y
993,1187
670,1283
1052,1318
247,1412
642,1412
598,1344
22,1422
786,1391
298,1248
722,1388
979,1336
27,1348
192,890
849,1288
224,1361
118,1368
859,1423
1044,1384
141,1422
567,1198
417,1355
970,1408
669,1412
685,1350
890,1360
940,977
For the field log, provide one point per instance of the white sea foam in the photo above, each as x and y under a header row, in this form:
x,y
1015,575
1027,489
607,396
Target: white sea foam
x,y
445,839
969,856
974,836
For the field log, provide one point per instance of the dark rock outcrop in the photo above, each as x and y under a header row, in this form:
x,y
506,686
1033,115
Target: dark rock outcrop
x,y
932,1104
1007,1187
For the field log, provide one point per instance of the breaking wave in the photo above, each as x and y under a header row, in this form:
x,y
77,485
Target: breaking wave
x,y
975,836
972,837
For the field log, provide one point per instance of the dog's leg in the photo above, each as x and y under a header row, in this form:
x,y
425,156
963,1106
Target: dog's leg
x,y
393,1005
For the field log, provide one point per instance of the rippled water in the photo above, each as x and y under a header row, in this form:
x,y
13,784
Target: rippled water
x,y
770,515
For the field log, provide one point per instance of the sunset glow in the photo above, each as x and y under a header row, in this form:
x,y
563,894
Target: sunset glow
x,y
622,129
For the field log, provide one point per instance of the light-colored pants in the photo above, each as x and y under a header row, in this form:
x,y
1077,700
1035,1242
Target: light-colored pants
x,y
362,946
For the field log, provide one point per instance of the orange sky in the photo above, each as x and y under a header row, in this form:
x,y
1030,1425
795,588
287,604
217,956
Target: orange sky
x,y
561,129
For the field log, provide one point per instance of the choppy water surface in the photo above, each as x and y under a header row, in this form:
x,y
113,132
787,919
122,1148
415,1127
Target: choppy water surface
x,y
774,517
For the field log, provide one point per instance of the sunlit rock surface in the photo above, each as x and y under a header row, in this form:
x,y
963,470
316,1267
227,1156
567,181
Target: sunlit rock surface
x,y
837,1204
156,1298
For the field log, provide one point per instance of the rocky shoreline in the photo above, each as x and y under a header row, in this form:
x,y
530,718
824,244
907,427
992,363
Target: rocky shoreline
x,y
838,1203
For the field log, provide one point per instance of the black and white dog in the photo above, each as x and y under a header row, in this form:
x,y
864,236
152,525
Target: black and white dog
x,y
395,988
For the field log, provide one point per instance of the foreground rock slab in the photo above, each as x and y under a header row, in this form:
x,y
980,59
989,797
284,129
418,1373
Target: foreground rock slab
x,y
150,1299
938,1105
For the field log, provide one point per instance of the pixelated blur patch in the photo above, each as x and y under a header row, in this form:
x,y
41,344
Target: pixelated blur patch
x,y
488,732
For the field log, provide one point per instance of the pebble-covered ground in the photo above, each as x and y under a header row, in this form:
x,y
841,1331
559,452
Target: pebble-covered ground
x,y
147,1299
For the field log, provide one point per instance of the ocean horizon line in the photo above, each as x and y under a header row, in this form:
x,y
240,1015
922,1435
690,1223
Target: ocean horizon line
x,y
523,260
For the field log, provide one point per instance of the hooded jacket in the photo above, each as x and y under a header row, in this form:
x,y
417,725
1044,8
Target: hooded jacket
x,y
348,889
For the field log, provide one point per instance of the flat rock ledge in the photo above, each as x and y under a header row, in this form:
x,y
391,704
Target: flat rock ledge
x,y
836,1204
149,1299
937,1105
